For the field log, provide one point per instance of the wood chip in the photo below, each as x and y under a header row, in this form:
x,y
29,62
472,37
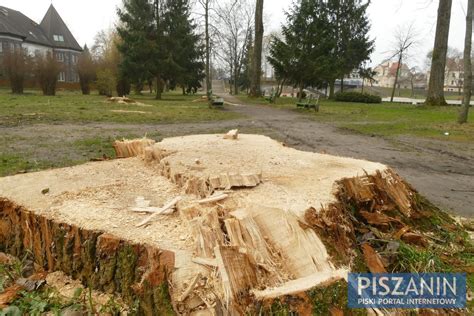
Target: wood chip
x,y
214,198
9,295
377,219
232,134
372,259
205,261
401,232
190,288
167,206
415,239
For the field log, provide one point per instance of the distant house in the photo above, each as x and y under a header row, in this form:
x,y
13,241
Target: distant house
x,y
51,35
386,72
453,75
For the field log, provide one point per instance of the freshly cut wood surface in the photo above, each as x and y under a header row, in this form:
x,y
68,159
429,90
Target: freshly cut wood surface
x,y
253,240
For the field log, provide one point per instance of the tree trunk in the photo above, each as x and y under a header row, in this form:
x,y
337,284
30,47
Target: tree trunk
x,y
159,87
331,89
208,51
400,59
300,96
236,80
342,84
463,115
362,88
438,64
257,52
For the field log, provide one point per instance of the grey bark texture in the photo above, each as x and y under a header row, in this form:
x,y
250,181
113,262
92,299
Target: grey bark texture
x,y
438,64
255,90
463,115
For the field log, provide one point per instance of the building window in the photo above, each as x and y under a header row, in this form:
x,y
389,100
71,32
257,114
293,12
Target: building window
x,y
60,56
58,38
62,76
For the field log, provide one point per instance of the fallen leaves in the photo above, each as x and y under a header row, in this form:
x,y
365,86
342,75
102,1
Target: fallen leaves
x,y
372,259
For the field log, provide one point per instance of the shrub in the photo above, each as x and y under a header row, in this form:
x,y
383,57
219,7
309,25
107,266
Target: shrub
x,y
106,82
86,70
16,64
47,70
358,97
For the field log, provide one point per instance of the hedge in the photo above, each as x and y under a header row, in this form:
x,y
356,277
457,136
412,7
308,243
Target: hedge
x,y
358,97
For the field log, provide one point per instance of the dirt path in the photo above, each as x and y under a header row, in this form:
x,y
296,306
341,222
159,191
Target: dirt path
x,y
441,171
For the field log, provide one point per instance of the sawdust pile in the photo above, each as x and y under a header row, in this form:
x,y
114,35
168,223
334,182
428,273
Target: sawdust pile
x,y
125,100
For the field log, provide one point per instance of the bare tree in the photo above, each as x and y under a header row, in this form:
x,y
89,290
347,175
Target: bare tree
x,y
234,19
405,40
86,69
463,115
436,83
16,65
47,70
255,90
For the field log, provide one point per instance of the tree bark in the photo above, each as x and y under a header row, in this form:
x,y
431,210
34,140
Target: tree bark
x,y
208,50
300,96
342,84
400,59
159,87
438,64
331,89
255,90
463,115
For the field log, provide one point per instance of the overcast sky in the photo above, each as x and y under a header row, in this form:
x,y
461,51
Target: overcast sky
x,y
86,17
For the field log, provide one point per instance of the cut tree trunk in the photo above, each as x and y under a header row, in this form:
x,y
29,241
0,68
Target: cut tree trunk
x,y
438,64
463,115
100,260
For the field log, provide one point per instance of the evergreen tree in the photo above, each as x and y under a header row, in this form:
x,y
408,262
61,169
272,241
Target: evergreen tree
x,y
137,45
349,26
246,74
298,58
184,65
323,41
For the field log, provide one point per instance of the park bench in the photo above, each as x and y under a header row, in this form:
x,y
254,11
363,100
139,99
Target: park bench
x,y
215,100
272,97
311,103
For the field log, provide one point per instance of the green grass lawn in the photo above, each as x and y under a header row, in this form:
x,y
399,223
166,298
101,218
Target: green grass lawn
x,y
32,108
387,119
40,132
